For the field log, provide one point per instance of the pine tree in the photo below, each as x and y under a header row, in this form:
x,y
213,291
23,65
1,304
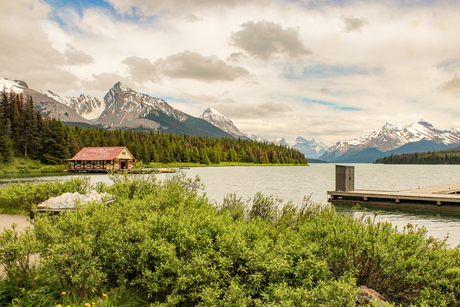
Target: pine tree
x,y
54,145
6,143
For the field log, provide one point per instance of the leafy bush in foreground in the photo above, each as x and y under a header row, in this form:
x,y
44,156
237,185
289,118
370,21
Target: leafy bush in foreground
x,y
22,197
162,244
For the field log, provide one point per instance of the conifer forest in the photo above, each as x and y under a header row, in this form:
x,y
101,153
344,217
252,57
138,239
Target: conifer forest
x,y
24,132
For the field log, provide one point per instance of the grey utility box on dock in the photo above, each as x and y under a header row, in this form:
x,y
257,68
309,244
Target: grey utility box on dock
x,y
344,178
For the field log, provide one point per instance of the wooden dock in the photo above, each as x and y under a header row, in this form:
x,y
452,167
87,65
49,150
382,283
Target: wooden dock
x,y
437,198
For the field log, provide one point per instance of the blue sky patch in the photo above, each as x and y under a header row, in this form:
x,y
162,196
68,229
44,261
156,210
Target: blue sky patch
x,y
134,16
328,103
322,71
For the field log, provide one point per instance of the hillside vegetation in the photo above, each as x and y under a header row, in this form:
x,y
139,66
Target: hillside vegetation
x,y
451,156
162,244
24,133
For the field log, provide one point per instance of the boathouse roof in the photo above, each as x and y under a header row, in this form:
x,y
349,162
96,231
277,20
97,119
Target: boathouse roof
x,y
102,153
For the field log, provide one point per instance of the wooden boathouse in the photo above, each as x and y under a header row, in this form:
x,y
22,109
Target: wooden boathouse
x,y
100,159
437,198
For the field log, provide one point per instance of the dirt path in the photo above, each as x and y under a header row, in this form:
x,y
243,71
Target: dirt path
x,y
7,219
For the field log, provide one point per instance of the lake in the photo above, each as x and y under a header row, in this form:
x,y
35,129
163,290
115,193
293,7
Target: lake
x,y
293,183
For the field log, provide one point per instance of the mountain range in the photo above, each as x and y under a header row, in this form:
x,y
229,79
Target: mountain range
x,y
124,108
417,137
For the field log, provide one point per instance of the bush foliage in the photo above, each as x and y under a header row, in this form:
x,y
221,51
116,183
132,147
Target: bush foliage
x,y
165,244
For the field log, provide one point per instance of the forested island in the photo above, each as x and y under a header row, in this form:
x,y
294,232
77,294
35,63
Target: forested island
x,y
451,156
25,133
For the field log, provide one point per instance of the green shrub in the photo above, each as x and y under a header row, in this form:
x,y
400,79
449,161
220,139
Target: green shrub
x,y
22,197
164,244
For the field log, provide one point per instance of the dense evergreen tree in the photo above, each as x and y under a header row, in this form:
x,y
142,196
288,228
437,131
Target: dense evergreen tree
x,y
451,156
6,143
54,144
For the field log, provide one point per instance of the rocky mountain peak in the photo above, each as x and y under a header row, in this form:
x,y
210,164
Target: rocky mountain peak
x,y
119,86
390,126
421,122
221,121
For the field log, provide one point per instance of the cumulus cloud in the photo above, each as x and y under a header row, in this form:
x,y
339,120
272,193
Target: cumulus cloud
x,y
236,57
184,65
74,57
264,39
353,23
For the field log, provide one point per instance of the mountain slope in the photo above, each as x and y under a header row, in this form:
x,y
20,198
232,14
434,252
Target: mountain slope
x,y
221,121
389,139
311,149
126,108
48,103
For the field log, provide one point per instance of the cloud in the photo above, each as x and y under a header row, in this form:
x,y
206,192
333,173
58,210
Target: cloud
x,y
299,71
353,23
104,81
74,57
275,107
264,39
192,18
264,110
452,85
236,57
133,7
205,98
184,65
26,52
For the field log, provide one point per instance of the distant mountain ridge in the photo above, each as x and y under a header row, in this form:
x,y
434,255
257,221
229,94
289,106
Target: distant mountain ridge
x,y
391,139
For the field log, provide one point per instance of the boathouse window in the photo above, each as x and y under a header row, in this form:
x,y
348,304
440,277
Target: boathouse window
x,y
123,153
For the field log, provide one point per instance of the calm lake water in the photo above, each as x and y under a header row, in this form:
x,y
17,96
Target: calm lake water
x,y
293,183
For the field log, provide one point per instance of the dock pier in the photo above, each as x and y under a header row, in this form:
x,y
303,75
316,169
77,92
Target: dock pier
x,y
436,198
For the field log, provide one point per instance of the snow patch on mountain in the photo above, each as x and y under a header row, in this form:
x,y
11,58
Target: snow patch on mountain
x,y
280,142
255,138
16,86
125,107
221,121
311,149
391,137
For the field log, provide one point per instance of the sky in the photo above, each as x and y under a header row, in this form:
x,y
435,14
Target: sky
x,y
322,69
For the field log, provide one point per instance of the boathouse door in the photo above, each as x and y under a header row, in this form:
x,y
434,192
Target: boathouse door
x,y
123,164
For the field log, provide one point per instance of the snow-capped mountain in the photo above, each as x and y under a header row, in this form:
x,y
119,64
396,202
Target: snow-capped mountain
x,y
48,103
255,138
280,141
127,108
85,105
221,121
392,139
311,149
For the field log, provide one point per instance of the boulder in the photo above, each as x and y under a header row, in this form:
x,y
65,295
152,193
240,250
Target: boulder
x,y
366,296
69,200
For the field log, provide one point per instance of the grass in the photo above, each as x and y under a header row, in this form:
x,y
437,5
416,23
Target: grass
x,y
24,165
189,164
